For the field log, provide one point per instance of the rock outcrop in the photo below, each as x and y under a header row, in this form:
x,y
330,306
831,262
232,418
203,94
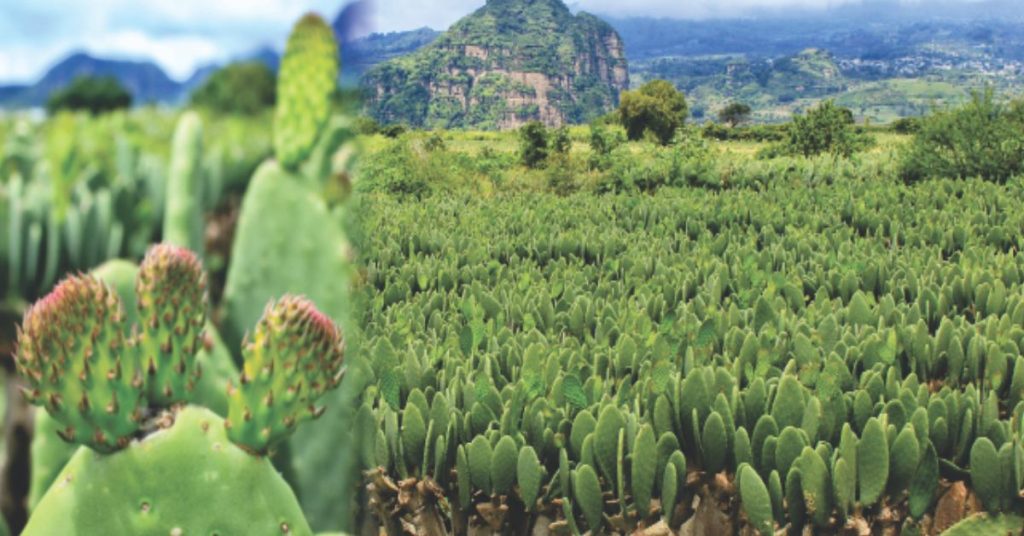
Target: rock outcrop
x,y
510,62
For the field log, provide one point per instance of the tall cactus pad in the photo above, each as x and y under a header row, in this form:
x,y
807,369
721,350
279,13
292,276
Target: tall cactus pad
x,y
71,353
308,79
183,218
294,357
171,294
188,479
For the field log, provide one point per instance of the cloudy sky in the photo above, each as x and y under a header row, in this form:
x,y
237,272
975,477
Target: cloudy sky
x,y
181,35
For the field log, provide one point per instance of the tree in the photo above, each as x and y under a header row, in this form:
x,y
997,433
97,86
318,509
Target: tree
x,y
736,113
827,128
93,94
533,144
982,139
657,107
240,88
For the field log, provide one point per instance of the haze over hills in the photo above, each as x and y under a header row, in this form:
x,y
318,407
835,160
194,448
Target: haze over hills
x,y
883,58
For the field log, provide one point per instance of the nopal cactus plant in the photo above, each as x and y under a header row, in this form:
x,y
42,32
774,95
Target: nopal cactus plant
x,y
124,393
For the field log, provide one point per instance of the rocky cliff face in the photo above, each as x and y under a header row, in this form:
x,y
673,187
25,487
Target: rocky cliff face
x,y
511,62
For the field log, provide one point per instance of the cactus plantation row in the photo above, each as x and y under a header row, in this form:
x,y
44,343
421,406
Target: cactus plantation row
x,y
811,358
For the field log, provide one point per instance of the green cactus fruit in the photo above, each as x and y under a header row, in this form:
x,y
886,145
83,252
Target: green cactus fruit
x,y
305,85
587,492
503,465
606,441
480,454
413,434
872,462
904,456
170,290
755,500
582,426
986,475
529,473
814,481
714,444
183,216
669,491
644,466
71,352
139,490
924,483
295,356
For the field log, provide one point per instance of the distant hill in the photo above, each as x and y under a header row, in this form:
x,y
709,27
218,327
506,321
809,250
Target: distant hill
x,y
360,55
145,80
509,62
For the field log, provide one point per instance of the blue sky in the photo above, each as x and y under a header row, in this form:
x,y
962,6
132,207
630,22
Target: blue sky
x,y
181,35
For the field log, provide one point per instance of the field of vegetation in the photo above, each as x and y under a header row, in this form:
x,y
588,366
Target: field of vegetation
x,y
700,337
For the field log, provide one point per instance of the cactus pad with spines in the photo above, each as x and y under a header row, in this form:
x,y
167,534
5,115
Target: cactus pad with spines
x,y
305,85
73,355
170,290
295,355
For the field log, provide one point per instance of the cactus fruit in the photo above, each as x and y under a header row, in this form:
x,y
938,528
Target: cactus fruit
x,y
872,462
529,473
295,356
755,500
170,290
307,81
183,218
72,353
587,491
228,490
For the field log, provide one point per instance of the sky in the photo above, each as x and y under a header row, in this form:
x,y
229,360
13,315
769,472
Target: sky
x,y
181,35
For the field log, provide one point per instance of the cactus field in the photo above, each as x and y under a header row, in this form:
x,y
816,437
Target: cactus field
x,y
816,357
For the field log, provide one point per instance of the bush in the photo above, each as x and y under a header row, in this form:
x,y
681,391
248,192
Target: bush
x,y
826,128
906,125
533,144
657,108
735,114
95,95
397,170
561,142
561,174
366,126
394,131
246,88
983,139
602,142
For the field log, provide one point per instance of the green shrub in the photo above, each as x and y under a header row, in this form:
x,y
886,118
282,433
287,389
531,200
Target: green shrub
x,y
827,128
602,142
735,114
533,144
240,88
657,108
561,142
93,94
982,139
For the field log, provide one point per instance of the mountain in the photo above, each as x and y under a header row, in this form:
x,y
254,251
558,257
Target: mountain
x,y
360,55
144,80
510,62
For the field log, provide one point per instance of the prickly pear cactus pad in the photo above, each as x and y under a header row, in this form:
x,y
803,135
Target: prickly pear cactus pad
x,y
308,78
187,479
294,357
72,352
171,293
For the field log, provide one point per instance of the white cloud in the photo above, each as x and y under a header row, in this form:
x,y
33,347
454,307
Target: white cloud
x,y
180,35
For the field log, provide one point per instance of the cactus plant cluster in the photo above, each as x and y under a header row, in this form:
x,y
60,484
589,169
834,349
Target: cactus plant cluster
x,y
735,362
123,392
